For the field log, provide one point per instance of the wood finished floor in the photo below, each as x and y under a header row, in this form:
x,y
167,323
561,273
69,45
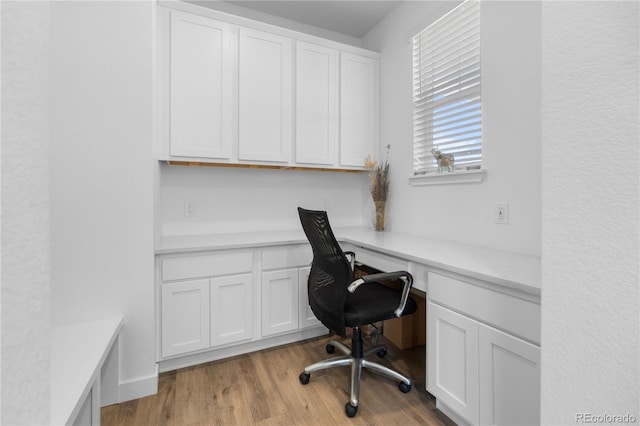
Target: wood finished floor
x,y
262,388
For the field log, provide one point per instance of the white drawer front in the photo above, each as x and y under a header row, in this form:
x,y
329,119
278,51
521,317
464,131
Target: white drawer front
x,y
224,263
380,261
286,256
514,315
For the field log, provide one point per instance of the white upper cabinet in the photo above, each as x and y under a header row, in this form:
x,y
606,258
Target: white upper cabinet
x,y
202,56
358,109
265,82
316,104
237,91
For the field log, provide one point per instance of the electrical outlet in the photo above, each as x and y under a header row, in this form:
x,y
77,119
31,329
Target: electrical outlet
x,y
502,213
189,209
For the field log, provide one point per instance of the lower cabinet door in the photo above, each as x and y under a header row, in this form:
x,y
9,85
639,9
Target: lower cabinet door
x,y
509,379
452,360
185,317
231,309
306,315
279,301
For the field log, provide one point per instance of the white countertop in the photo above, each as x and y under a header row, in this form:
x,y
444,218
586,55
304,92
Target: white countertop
x,y
78,352
518,271
191,243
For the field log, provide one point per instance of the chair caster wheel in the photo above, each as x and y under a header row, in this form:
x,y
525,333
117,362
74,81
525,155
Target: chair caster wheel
x,y
330,348
350,410
304,378
404,388
382,353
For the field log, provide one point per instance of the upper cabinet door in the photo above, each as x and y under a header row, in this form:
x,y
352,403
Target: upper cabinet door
x,y
265,98
358,106
203,86
316,104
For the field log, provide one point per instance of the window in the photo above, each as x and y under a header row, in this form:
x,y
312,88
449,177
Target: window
x,y
446,90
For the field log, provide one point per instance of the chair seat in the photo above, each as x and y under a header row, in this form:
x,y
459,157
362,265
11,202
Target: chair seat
x,y
373,302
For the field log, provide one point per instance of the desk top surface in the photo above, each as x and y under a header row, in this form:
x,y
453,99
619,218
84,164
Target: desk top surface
x,y
77,354
514,270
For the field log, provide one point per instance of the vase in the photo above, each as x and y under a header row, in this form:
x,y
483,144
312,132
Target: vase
x,y
379,220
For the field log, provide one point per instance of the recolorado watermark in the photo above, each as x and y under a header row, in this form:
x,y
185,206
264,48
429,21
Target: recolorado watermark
x,y
588,418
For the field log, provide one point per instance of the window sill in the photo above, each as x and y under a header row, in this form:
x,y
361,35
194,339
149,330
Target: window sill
x,y
462,176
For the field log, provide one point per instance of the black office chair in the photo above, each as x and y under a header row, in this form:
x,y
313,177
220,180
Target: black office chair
x,y
339,301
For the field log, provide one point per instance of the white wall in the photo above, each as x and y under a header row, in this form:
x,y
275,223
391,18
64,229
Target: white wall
x,y
229,200
102,175
590,232
25,213
511,85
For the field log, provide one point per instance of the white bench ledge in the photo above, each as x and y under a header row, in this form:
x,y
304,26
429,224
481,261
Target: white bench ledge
x,y
78,352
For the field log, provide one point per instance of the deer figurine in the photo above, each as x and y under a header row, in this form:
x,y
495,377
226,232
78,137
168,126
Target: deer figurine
x,y
444,160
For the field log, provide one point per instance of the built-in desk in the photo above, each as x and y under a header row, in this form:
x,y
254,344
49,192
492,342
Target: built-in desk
x,y
483,308
512,270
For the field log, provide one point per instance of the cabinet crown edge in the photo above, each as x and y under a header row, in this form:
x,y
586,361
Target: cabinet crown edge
x,y
263,26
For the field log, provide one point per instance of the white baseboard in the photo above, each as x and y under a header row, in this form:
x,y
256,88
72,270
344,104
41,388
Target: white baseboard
x,y
138,388
239,349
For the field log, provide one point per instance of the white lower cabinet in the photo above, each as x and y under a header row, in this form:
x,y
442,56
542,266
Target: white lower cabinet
x,y
279,301
205,313
285,299
221,303
185,317
206,300
452,349
231,309
509,379
306,317
480,374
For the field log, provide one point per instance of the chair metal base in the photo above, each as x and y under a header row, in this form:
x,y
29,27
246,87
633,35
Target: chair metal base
x,y
355,357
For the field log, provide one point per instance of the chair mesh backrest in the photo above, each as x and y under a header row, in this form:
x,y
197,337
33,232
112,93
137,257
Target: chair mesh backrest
x,y
330,271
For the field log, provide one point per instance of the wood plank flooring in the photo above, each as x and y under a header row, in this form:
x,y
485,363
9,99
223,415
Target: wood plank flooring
x,y
262,388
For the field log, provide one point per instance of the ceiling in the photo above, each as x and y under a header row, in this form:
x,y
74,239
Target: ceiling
x,y
353,18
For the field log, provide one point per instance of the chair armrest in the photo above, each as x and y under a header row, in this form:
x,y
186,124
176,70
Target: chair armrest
x,y
352,258
406,277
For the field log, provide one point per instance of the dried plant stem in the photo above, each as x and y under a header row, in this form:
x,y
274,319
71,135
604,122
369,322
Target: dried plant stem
x,y
380,182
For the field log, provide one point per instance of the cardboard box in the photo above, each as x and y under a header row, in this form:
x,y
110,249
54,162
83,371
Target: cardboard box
x,y
410,330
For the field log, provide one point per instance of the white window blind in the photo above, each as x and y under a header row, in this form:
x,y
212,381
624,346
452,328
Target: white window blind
x,y
446,90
